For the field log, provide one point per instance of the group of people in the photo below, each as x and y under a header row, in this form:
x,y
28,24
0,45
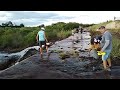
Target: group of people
x,y
78,33
102,43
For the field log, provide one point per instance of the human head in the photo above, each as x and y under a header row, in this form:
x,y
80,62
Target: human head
x,y
42,25
101,29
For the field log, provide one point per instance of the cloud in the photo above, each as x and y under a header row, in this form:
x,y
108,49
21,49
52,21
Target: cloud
x,y
4,16
30,17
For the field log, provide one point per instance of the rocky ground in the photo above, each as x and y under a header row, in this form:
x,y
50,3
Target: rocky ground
x,y
54,68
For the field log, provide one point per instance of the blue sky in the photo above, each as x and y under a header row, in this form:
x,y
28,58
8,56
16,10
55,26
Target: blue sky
x,y
35,18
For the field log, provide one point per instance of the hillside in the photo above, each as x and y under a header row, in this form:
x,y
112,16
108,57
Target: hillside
x,y
109,25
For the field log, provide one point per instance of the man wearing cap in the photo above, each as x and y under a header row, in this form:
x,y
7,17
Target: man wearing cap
x,y
106,45
42,40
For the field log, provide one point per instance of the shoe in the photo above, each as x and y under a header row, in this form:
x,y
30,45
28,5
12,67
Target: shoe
x,y
108,69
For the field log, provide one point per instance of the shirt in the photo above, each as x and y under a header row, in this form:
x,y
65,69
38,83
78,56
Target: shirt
x,y
106,36
41,35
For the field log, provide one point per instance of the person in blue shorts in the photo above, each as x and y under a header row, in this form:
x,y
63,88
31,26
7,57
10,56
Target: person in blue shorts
x,y
106,45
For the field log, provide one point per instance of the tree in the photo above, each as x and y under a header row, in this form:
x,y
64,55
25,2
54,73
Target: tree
x,y
10,23
3,24
71,25
21,25
7,24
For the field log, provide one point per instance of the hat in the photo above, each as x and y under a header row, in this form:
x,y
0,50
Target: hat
x,y
42,25
42,28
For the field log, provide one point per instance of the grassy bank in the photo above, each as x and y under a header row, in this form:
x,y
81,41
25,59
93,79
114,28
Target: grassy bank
x,y
115,42
15,39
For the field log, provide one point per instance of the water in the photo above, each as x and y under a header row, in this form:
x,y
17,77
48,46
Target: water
x,y
19,54
68,44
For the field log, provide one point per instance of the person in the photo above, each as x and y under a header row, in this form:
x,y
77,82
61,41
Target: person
x,y
42,40
94,46
95,42
77,35
81,30
106,45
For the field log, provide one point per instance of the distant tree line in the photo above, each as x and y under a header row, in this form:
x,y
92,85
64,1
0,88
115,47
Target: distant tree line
x,y
68,26
10,24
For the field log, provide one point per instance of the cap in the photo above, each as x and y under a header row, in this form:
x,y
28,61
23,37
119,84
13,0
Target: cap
x,y
42,25
42,28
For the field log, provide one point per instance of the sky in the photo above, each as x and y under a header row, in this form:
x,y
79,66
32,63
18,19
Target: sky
x,y
35,18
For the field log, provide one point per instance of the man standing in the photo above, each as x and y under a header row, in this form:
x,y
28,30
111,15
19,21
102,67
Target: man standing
x,y
106,45
42,40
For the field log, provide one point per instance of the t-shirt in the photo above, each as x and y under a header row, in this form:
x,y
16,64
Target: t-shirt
x,y
41,35
107,36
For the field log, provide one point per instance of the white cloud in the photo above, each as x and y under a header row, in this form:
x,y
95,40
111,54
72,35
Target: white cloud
x,y
4,15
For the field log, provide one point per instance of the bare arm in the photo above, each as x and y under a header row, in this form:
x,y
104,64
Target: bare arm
x,y
37,37
45,37
106,44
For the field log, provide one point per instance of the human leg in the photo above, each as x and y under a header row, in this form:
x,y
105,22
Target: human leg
x,y
105,64
106,59
109,62
41,50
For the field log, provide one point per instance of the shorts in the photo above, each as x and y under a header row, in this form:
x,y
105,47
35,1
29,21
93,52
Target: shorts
x,y
107,55
42,43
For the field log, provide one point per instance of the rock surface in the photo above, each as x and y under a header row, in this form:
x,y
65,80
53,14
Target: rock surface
x,y
55,68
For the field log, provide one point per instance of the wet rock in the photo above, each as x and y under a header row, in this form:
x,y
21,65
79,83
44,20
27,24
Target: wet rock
x,y
93,53
5,56
61,48
7,62
115,61
82,50
65,70
29,53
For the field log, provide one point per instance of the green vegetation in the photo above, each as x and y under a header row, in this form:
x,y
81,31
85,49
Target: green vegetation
x,y
13,37
10,24
95,27
115,42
